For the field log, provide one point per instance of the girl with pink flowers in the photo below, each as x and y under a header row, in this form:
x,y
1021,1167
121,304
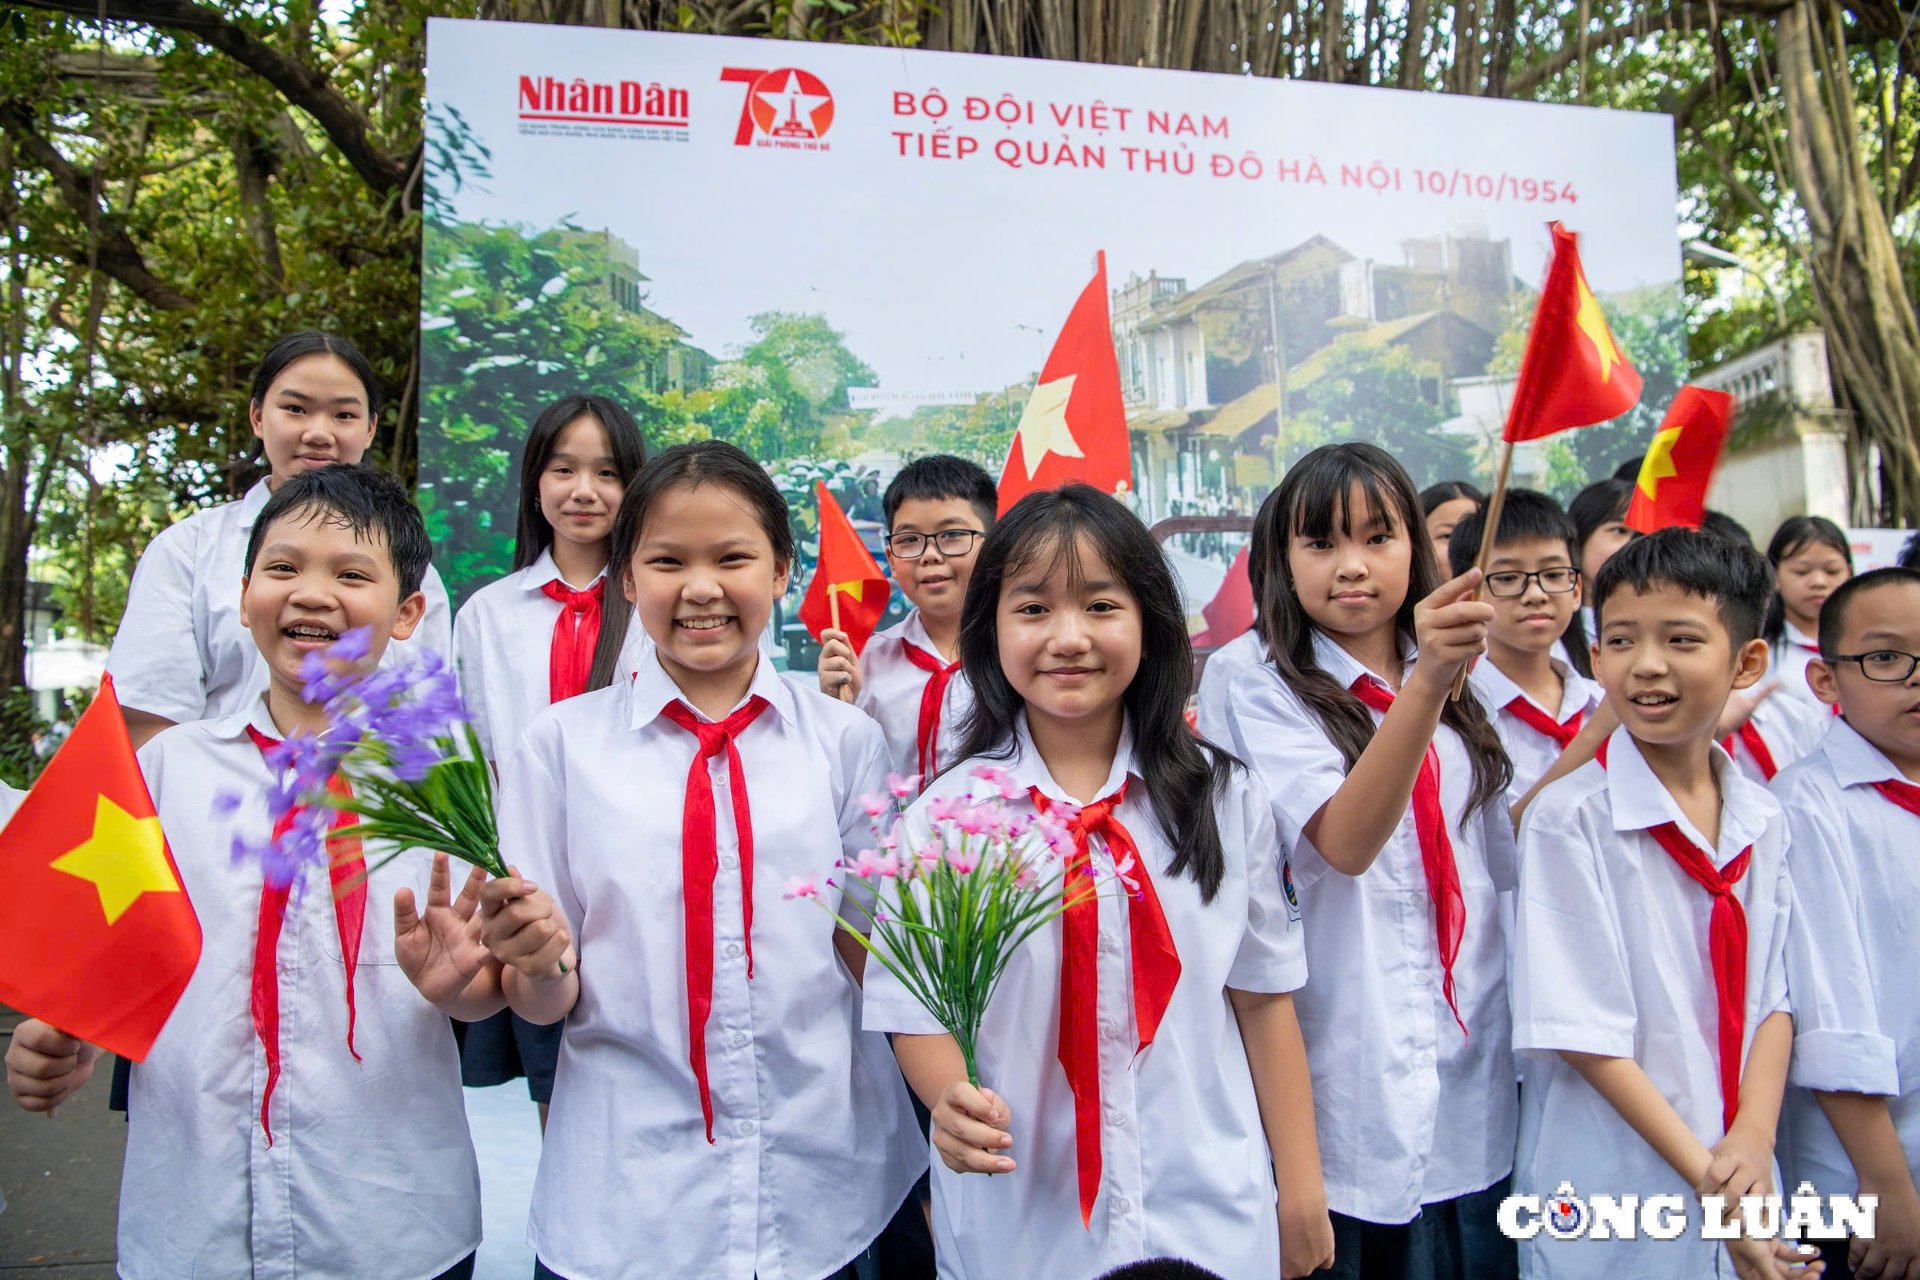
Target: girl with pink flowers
x,y
1144,1088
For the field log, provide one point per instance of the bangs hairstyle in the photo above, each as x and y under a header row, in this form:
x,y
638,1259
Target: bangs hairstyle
x,y
938,477
1528,516
1733,577
371,503
1796,534
1602,502
1312,500
1833,614
1044,533
624,441
1435,496
700,463
312,342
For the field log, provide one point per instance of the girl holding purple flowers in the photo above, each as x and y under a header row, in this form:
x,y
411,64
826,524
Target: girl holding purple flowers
x,y
1143,1079
717,1110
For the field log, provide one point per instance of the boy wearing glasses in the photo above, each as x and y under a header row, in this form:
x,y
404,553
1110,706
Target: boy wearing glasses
x,y
1534,695
908,679
1852,1121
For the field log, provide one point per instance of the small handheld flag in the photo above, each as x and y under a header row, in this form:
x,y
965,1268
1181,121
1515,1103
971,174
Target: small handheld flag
x,y
1672,488
1573,373
1230,612
1074,426
848,591
96,933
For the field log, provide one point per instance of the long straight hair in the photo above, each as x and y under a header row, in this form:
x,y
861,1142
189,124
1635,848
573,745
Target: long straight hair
x,y
1064,528
1314,498
689,465
624,440
1796,534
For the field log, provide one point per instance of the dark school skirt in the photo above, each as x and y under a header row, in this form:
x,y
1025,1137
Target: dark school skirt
x,y
1456,1239
506,1047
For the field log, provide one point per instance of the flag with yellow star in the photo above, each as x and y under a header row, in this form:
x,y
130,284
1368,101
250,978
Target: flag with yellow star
x,y
96,933
1573,373
848,583
1672,489
1074,425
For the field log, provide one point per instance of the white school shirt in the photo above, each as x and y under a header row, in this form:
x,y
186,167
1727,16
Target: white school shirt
x,y
1410,1111
815,1144
10,799
891,688
1850,953
1185,1170
503,647
1210,699
1612,958
1791,728
180,651
1789,665
371,1171
1532,752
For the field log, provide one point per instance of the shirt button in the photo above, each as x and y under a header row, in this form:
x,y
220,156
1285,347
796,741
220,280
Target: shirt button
x,y
1110,1029
1107,944
1123,1204
1118,1119
741,1039
733,951
729,862
744,1128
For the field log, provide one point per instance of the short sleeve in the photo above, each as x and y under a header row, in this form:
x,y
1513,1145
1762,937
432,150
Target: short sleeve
x,y
862,772
1838,1044
468,662
1285,746
1272,956
1572,988
156,661
533,817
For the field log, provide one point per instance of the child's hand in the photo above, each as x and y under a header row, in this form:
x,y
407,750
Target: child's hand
x,y
441,950
1742,1166
1451,630
523,927
1894,1251
1773,1260
45,1065
839,667
1306,1239
970,1129
1740,707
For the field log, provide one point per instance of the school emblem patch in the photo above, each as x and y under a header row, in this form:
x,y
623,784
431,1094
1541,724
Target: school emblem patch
x,y
1286,883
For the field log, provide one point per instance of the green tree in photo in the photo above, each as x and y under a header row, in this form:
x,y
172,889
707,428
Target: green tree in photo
x,y
1374,393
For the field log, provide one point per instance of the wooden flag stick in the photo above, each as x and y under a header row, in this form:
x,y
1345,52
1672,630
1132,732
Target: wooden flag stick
x,y
1489,527
833,600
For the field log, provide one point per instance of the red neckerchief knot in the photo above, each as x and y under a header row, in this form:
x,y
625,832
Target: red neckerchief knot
x,y
347,876
940,675
700,863
1436,851
1156,971
575,632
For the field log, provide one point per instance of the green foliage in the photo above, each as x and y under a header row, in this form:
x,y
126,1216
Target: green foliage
x,y
1374,393
20,763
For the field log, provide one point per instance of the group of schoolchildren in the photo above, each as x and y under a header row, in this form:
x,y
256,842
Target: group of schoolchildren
x,y
1339,1015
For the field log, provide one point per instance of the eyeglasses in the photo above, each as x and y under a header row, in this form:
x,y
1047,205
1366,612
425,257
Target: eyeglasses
x,y
1509,583
952,543
1888,666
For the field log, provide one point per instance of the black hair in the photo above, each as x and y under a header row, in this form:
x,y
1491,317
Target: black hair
x,y
629,447
1833,621
1602,502
372,503
1733,577
692,465
1161,1269
1310,501
938,476
1438,495
312,342
1527,515
1722,525
1184,774
1910,554
1796,534
1630,469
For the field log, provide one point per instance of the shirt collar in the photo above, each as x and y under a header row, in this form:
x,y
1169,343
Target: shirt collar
x,y
1798,637
1346,668
1857,762
1640,800
249,715
537,575
1027,769
1497,689
254,500
652,690
914,631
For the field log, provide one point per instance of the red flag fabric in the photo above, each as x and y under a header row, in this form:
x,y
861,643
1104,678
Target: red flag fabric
x,y
96,933
846,570
1230,612
1672,489
1074,426
1573,373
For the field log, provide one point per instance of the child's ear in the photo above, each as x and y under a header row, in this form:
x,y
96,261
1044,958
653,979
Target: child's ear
x,y
1750,664
627,587
1824,682
780,568
244,580
412,609
253,419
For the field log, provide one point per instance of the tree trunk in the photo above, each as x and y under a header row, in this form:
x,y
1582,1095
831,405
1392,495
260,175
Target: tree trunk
x,y
1873,338
15,459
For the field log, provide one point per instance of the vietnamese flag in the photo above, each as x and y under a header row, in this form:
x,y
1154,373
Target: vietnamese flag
x,y
847,578
1230,612
1074,427
1573,373
1672,488
96,933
